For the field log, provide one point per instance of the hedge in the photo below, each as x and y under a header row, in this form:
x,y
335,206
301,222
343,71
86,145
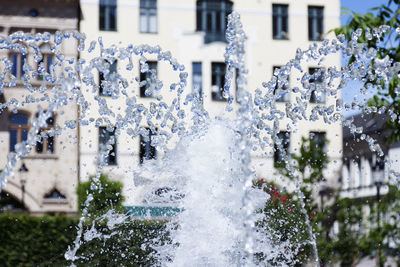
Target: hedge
x,y
42,241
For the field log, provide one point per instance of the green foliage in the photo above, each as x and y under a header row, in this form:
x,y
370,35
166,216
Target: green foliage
x,y
127,244
386,97
35,241
285,219
42,241
308,167
107,194
286,225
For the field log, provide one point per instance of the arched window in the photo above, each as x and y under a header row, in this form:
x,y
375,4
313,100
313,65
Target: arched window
x,y
44,65
18,128
46,143
55,196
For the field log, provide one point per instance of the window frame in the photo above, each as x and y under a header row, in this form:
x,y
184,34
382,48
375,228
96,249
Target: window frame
x,y
315,83
146,150
106,8
280,14
19,128
315,23
109,157
212,18
19,66
216,68
197,79
113,69
278,163
148,77
47,144
284,98
148,9
46,55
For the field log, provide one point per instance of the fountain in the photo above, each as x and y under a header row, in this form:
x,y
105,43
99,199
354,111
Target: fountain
x,y
206,167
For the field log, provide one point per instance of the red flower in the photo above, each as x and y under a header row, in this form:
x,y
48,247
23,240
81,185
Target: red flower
x,y
283,199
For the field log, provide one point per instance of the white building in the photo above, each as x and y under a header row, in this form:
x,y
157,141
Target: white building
x,y
363,169
194,33
364,173
45,180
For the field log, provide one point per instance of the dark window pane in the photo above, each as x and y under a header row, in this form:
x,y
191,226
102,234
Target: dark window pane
x,y
318,94
24,135
281,147
23,59
146,76
315,23
280,21
281,88
218,80
104,139
102,21
101,79
108,15
13,139
275,26
148,16
212,18
197,79
50,144
112,18
14,69
147,151
19,119
39,145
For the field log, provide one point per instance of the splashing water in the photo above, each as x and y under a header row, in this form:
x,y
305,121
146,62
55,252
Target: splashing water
x,y
208,172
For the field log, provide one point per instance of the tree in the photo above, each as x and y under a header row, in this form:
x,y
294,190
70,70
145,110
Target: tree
x,y
386,46
107,194
285,219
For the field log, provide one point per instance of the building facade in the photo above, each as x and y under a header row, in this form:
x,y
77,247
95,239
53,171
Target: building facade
x,y
45,180
194,32
366,174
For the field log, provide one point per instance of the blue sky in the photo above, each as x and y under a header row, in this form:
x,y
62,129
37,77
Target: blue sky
x,y
351,92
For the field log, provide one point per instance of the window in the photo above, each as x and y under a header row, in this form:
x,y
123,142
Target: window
x,y
18,129
315,23
378,163
280,22
217,81
197,80
148,76
46,143
317,85
45,64
319,140
55,196
108,15
106,139
212,18
281,148
148,16
282,86
104,80
147,151
18,61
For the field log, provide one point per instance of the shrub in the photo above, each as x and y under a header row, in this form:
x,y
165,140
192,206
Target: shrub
x,y
107,194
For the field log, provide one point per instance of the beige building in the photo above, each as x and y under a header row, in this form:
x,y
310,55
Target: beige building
x,y
45,180
194,33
